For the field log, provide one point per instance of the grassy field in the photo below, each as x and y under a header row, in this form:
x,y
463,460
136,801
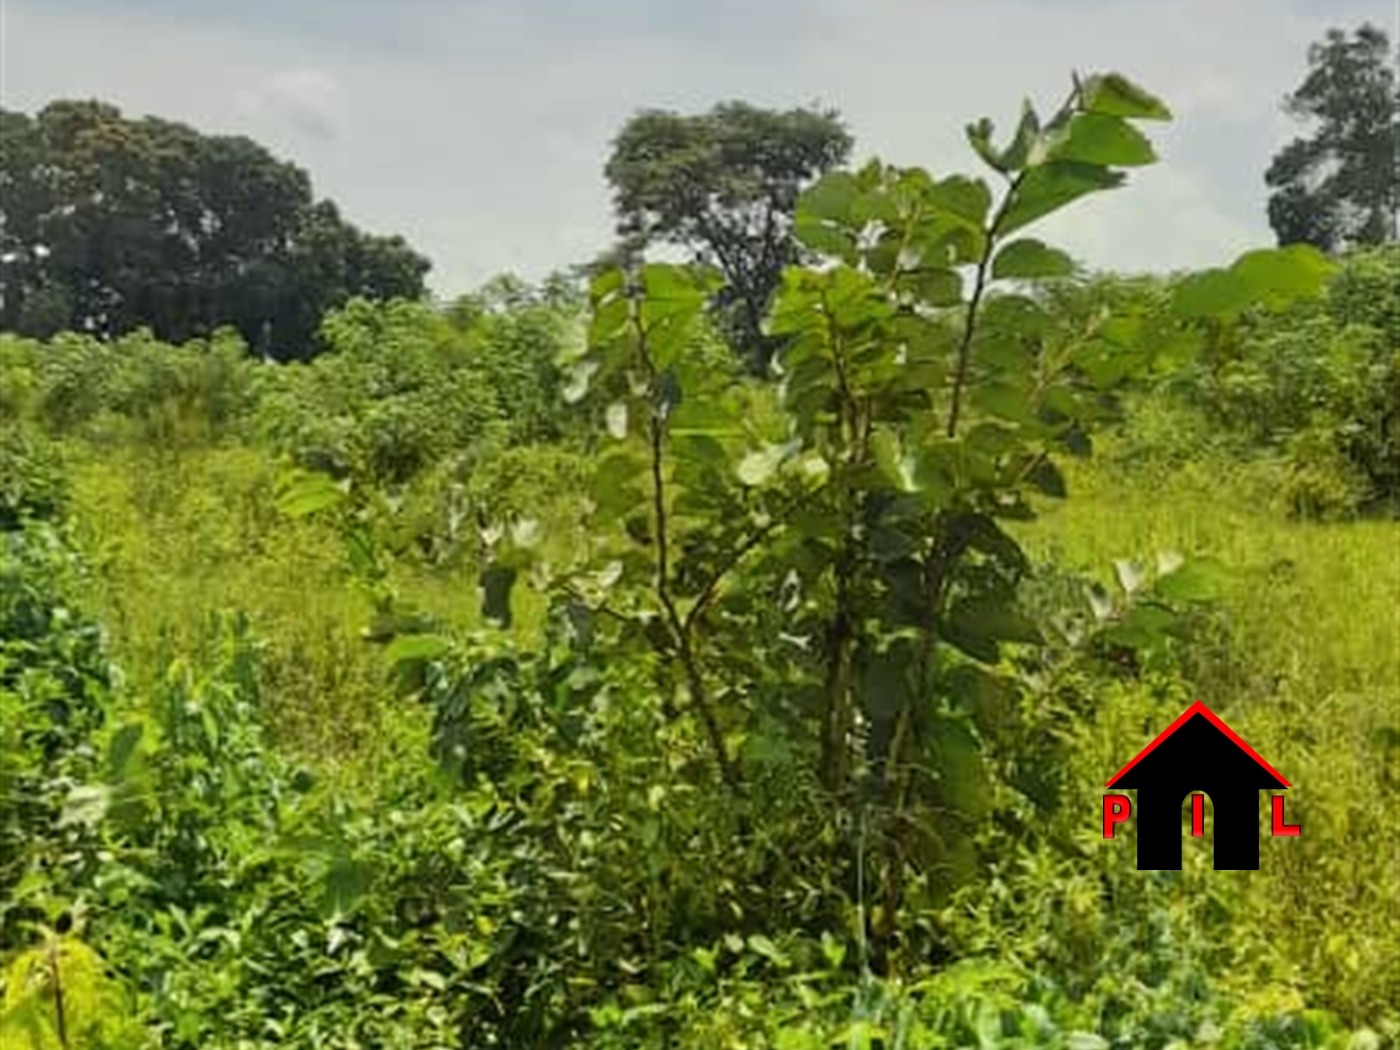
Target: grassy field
x,y
1304,662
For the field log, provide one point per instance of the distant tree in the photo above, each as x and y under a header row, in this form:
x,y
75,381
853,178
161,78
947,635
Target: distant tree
x,y
109,223
724,185
1340,187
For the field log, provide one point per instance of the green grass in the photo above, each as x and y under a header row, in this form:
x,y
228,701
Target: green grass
x,y
1309,675
1308,667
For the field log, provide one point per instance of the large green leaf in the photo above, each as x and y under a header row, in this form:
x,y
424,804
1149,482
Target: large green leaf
x,y
410,647
1198,580
1273,276
308,494
961,772
1096,138
830,198
977,624
1051,186
934,285
990,698
1004,401
966,199
1144,627
1209,293
1295,271
826,238
1116,95
1029,258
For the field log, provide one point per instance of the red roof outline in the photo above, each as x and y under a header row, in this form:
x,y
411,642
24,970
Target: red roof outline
x,y
1213,719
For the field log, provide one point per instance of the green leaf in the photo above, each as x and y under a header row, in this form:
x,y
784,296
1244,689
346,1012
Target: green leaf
x,y
895,466
1144,627
1296,271
1210,293
977,624
617,469
1053,185
1004,401
497,581
1096,138
979,136
1030,258
1047,478
1275,276
967,199
1016,155
121,749
757,467
346,882
85,805
1086,1041
410,647
830,197
606,284
1198,580
763,946
935,286
709,417
309,494
1116,95
962,776
990,698
825,238
617,419
1017,315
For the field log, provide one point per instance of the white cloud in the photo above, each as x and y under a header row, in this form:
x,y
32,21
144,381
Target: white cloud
x,y
310,100
479,130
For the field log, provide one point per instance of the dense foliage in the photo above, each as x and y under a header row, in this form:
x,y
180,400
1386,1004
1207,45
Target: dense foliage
x,y
1340,187
108,224
723,185
523,674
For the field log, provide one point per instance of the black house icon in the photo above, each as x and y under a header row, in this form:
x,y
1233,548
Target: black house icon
x,y
1198,752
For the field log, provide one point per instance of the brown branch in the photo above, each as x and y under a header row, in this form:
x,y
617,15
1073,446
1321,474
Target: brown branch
x,y
60,1013
980,284
695,682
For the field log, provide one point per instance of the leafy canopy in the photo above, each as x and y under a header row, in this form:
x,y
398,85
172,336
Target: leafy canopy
x,y
1339,188
109,223
724,185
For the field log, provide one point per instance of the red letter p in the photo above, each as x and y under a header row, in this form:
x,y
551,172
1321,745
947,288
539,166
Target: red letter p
x,y
1116,809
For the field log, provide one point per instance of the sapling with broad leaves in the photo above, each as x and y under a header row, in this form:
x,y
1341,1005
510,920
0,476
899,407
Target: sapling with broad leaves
x,y
826,565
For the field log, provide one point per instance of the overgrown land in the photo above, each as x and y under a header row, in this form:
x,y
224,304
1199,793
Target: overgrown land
x,y
719,654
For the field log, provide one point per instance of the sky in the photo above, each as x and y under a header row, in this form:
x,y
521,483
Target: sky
x,y
478,129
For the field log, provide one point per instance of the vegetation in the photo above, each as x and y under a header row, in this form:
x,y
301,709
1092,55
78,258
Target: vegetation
x,y
1338,188
529,673
108,224
723,185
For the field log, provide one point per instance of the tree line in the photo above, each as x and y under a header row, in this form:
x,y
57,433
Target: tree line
x,y
110,223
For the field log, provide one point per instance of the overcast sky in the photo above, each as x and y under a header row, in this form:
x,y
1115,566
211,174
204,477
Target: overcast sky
x,y
478,128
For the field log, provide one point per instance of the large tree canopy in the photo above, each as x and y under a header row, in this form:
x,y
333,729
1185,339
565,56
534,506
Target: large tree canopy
x,y
724,185
1340,187
109,223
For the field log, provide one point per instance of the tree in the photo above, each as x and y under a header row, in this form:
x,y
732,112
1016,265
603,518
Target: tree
x,y
1340,187
724,185
109,223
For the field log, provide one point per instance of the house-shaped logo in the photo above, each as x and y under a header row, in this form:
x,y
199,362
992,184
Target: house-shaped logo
x,y
1196,753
